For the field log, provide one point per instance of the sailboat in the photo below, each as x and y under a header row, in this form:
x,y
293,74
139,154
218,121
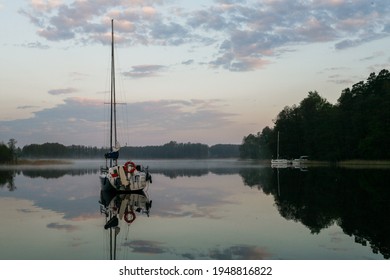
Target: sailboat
x,y
120,177
279,162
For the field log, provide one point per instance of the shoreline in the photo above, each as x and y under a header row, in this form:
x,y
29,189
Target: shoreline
x,y
309,163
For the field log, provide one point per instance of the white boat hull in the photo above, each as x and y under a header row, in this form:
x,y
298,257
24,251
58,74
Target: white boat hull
x,y
121,178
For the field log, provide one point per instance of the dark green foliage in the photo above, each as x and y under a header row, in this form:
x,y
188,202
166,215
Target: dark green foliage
x,y
5,154
257,146
365,117
224,151
169,150
357,127
8,152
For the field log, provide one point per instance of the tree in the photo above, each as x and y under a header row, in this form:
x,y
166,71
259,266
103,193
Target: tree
x,y
250,147
12,146
5,154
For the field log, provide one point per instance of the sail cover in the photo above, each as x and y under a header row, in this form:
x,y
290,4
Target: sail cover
x,y
112,155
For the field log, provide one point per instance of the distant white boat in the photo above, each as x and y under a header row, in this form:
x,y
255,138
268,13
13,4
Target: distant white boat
x,y
300,161
279,162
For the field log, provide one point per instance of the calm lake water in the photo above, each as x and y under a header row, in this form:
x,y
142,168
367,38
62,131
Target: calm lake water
x,y
211,209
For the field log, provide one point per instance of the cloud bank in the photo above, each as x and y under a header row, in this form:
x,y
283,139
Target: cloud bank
x,y
244,35
85,122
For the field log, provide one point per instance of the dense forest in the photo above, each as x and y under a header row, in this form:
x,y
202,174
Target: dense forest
x,y
356,127
169,150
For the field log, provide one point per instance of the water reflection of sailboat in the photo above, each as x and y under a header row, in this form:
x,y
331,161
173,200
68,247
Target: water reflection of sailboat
x,y
121,208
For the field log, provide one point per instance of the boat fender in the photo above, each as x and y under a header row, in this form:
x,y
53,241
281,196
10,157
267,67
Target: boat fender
x,y
130,219
132,164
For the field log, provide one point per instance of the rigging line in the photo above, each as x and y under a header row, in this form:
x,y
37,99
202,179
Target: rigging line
x,y
123,132
106,108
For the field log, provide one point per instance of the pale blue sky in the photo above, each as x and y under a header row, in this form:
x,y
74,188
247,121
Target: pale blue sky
x,y
188,71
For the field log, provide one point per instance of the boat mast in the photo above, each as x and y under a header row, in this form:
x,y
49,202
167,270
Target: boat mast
x,y
113,98
277,152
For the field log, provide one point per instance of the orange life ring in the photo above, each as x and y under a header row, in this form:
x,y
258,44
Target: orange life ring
x,y
126,216
133,166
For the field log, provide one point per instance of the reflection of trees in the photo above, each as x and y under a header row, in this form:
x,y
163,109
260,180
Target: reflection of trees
x,y
174,173
193,172
357,200
258,178
307,197
7,179
57,173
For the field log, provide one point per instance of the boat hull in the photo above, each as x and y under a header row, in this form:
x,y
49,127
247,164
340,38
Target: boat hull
x,y
105,183
116,179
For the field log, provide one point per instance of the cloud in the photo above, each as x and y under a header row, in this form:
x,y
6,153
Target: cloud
x,y
62,91
244,35
373,56
36,45
84,122
26,107
65,227
76,76
142,71
45,5
188,62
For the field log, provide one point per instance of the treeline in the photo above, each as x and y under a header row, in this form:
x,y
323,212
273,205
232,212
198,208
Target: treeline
x,y
170,150
356,127
8,153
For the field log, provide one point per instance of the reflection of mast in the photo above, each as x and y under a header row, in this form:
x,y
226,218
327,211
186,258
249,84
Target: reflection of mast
x,y
112,225
118,207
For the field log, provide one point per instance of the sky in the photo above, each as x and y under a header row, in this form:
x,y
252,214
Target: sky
x,y
187,71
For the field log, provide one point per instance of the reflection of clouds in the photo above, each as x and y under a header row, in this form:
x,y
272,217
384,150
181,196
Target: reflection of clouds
x,y
188,256
180,210
240,252
66,227
26,210
192,197
236,252
337,237
146,247
77,242
335,249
